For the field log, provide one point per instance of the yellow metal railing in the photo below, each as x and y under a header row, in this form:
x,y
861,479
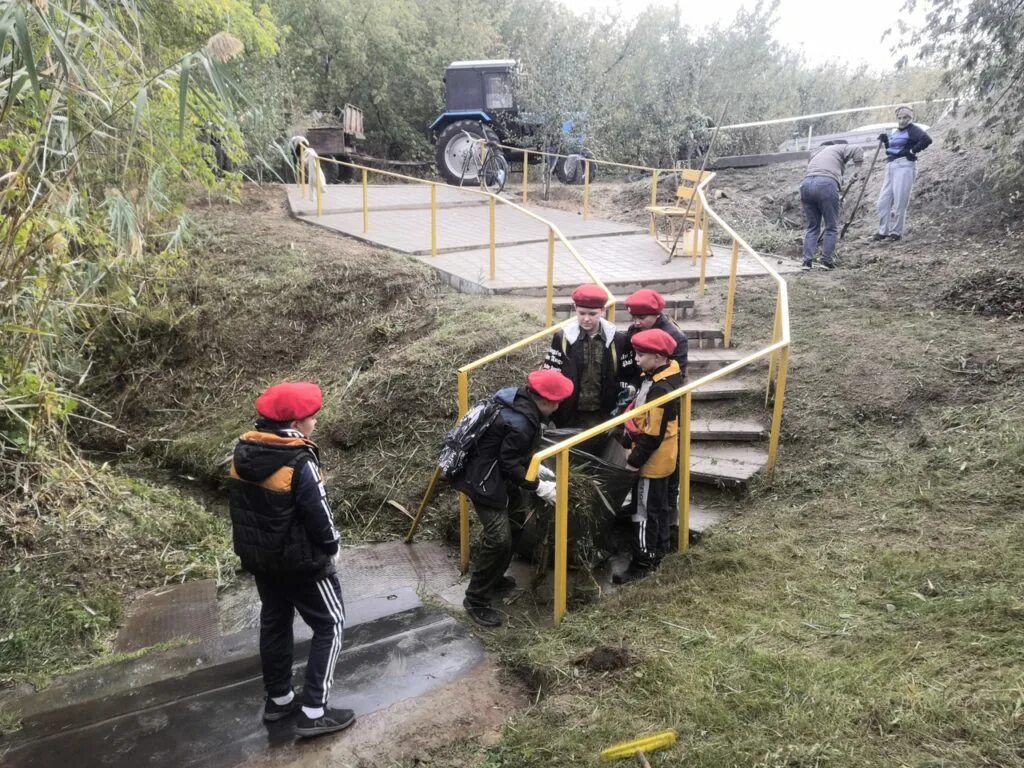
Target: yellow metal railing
x,y
777,353
554,233
586,174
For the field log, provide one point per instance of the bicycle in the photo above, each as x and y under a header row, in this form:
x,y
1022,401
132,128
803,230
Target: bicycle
x,y
493,172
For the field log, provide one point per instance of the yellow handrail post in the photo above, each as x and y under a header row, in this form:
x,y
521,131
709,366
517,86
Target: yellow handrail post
x,y
319,200
366,204
772,359
780,393
654,198
551,278
731,298
698,214
526,177
703,264
302,170
684,473
561,533
705,250
433,219
463,499
494,205
586,188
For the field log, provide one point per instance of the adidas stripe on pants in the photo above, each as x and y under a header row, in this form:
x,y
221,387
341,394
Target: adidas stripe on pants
x,y
650,514
321,606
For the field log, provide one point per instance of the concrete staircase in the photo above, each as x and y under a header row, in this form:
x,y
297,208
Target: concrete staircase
x,y
730,423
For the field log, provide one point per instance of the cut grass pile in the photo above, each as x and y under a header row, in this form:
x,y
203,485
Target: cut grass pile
x,y
75,540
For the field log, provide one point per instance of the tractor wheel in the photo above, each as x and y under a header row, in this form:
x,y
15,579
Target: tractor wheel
x,y
453,149
576,177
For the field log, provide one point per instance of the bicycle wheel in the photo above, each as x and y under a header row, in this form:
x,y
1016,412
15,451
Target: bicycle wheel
x,y
495,172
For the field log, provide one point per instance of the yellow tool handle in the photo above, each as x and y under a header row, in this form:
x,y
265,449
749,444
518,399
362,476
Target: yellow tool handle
x,y
646,744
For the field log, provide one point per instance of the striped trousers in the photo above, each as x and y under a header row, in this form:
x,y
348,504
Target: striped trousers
x,y
651,514
320,605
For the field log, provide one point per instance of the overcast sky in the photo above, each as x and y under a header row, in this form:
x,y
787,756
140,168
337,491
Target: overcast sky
x,y
820,29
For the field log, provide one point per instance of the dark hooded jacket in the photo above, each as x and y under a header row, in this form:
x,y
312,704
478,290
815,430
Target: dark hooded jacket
x,y
280,520
503,452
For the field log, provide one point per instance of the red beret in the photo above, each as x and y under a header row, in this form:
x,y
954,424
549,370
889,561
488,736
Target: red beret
x,y
550,384
645,302
655,340
290,401
590,296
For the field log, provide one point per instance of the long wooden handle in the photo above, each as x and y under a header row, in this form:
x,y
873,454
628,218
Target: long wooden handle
x,y
863,188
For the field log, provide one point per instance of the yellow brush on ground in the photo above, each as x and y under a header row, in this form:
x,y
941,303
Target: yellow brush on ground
x,y
638,747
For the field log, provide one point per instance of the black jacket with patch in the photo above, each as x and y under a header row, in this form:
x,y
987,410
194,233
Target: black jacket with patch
x,y
566,355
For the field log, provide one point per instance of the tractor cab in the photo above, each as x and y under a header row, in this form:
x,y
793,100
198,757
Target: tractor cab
x,y
475,87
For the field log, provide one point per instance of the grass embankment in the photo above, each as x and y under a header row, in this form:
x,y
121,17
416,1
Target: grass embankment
x,y
77,540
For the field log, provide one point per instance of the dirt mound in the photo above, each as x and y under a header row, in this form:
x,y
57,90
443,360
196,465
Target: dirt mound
x,y
605,658
990,292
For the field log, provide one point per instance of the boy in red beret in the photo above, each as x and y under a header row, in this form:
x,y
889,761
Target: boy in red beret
x,y
653,438
646,310
284,534
594,355
494,475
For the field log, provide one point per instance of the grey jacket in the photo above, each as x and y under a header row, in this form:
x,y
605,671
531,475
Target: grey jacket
x,y
831,161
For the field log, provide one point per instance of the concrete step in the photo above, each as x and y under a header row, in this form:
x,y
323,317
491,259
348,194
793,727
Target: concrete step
x,y
677,305
699,333
208,714
703,518
704,360
726,465
727,430
729,389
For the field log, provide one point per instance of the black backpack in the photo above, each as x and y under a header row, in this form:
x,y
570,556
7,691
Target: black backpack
x,y
460,441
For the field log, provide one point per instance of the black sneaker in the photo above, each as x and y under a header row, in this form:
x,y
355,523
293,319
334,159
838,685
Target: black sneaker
x,y
895,238
273,712
505,585
330,721
482,614
827,267
879,237
806,266
633,573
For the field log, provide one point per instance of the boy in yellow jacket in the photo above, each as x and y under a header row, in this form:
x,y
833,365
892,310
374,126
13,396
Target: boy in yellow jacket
x,y
653,439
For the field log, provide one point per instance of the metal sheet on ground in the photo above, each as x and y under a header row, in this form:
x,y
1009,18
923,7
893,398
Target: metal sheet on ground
x,y
220,726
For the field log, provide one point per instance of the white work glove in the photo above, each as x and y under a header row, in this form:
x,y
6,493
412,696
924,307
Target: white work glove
x,y
545,474
546,490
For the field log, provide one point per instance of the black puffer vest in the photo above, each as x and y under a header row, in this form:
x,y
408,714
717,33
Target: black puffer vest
x,y
269,535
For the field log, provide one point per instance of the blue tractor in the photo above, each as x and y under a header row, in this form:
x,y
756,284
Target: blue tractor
x,y
480,101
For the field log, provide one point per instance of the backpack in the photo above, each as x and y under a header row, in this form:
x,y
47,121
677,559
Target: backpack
x,y
460,441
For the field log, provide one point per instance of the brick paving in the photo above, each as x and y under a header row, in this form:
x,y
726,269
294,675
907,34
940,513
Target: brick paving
x,y
622,255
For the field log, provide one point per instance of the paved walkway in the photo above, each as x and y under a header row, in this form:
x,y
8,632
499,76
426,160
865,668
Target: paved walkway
x,y
622,255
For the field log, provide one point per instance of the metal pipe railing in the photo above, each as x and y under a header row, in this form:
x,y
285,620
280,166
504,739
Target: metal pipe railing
x,y
777,353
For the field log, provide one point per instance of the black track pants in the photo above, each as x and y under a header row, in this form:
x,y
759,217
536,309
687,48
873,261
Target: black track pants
x,y
321,606
650,514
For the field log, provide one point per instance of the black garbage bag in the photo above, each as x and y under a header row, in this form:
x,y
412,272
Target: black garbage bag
x,y
599,487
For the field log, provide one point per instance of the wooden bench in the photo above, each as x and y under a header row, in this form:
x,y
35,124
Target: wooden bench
x,y
668,221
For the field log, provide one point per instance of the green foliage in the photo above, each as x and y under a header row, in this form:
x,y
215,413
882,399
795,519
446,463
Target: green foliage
x,y
980,47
